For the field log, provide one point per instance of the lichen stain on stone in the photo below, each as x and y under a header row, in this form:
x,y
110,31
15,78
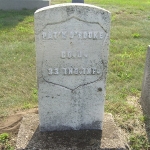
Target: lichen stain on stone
x,y
70,10
99,89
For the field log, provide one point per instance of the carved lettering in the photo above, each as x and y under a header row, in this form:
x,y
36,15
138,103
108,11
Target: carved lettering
x,y
98,71
79,54
63,54
101,35
80,35
64,36
84,70
93,70
95,35
55,35
44,35
74,71
65,69
69,54
53,71
88,70
50,71
50,36
73,54
85,35
71,34
90,35
56,71
70,70
80,71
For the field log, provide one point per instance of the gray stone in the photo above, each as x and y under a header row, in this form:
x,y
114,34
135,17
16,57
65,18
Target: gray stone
x,y
29,137
145,96
72,55
77,1
21,4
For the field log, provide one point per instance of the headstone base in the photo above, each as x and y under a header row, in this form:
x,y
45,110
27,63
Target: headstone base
x,y
29,137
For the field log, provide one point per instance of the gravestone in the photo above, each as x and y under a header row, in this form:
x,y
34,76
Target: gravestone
x,y
77,1
72,54
23,4
145,96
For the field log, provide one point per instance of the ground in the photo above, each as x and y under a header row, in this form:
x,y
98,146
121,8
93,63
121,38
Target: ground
x,y
29,135
11,126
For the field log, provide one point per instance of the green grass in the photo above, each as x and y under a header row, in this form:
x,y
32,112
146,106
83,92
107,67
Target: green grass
x,y
17,61
130,36
4,142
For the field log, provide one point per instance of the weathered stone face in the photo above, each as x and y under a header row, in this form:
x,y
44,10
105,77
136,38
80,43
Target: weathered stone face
x,y
72,54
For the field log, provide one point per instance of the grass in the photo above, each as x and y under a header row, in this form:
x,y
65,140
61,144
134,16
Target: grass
x,y
128,44
4,141
17,72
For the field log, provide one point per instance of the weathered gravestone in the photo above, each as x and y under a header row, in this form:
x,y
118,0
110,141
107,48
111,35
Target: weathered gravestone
x,y
72,53
145,96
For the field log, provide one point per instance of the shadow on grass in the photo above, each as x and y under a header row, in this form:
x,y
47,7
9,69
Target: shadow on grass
x,y
9,19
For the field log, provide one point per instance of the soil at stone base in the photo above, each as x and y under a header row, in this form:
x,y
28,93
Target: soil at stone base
x,y
11,126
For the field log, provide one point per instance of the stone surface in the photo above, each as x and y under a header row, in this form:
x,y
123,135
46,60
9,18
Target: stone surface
x,y
21,4
29,137
145,96
77,1
72,55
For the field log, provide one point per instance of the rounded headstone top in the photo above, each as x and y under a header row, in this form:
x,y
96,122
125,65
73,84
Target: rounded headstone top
x,y
70,4
62,12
